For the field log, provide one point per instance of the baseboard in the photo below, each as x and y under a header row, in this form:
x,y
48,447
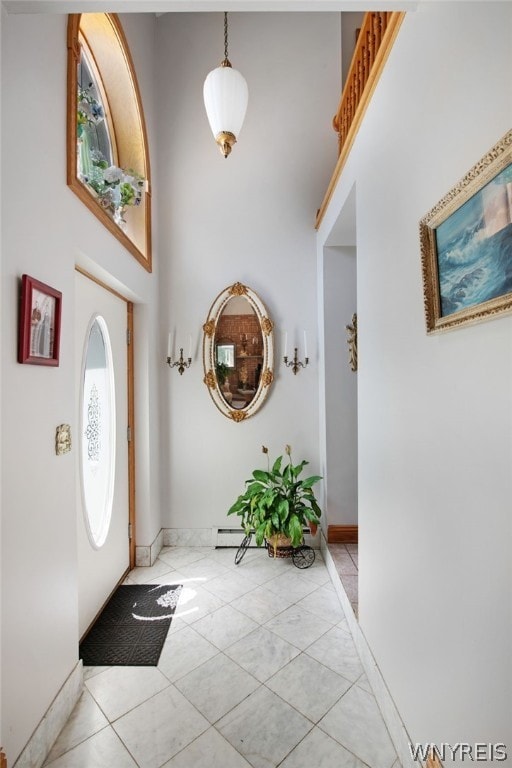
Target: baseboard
x,y
40,743
342,534
392,719
232,537
147,555
202,537
189,537
229,537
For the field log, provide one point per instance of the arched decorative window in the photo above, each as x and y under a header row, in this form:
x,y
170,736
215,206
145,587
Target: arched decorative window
x,y
108,161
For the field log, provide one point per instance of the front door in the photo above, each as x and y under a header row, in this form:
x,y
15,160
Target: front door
x,y
103,483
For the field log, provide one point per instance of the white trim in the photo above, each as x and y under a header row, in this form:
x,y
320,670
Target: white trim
x,y
40,743
189,537
387,707
147,555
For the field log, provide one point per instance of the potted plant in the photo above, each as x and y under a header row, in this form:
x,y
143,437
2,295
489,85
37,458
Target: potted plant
x,y
277,504
221,371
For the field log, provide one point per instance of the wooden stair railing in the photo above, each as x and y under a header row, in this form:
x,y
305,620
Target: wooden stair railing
x,y
3,759
368,43
374,43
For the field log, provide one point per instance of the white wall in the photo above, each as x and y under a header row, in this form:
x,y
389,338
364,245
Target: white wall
x,y
46,230
435,413
140,30
340,303
350,22
249,218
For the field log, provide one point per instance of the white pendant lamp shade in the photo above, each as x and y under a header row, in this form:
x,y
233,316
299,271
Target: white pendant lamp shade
x,y
225,98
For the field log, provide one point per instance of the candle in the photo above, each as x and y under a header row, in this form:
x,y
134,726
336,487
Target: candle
x,y
169,345
190,346
305,345
285,343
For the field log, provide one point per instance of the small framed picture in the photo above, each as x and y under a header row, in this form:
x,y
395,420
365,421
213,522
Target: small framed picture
x,y
39,332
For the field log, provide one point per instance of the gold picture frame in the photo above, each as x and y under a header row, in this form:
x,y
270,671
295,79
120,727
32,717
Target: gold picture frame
x,y
466,245
240,390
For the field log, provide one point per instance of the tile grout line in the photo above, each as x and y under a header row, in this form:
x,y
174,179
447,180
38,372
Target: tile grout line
x,y
302,652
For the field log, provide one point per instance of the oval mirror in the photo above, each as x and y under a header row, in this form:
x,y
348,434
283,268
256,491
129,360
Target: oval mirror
x,y
238,352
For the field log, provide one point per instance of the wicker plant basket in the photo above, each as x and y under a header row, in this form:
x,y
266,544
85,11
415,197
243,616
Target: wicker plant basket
x,y
279,546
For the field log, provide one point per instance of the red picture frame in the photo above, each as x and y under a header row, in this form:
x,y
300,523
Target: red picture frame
x,y
39,330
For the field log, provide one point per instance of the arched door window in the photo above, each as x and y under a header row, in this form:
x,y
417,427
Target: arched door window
x,y
108,164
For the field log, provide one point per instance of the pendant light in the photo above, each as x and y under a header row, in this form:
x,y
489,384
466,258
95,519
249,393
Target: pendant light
x,y
225,98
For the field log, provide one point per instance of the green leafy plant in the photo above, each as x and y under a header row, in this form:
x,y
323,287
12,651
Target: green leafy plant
x,y
277,501
221,370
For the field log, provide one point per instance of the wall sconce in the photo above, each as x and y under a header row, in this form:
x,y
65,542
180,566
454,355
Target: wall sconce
x,y
352,343
295,364
181,363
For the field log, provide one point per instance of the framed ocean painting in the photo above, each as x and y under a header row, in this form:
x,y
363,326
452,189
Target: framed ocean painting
x,y
466,245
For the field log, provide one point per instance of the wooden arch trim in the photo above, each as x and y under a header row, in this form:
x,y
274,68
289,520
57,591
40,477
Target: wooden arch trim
x,y
107,43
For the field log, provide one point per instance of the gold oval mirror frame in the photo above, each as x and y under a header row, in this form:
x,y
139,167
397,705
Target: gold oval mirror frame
x,y
238,352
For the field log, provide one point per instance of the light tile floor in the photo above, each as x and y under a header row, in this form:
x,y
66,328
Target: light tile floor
x,y
258,669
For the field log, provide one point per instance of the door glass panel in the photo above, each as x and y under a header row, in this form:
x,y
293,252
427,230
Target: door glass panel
x,y
98,431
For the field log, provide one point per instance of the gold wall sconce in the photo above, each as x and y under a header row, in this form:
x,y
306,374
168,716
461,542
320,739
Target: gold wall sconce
x,y
352,343
181,363
295,364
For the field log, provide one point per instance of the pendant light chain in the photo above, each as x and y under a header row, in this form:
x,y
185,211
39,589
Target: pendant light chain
x,y
225,98
225,35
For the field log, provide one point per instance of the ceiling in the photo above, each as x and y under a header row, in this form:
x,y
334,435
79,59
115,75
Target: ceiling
x,y
166,6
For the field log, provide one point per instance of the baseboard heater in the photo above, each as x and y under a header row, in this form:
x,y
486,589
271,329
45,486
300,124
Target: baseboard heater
x,y
232,537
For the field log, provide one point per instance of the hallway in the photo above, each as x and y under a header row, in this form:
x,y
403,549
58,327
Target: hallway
x,y
258,669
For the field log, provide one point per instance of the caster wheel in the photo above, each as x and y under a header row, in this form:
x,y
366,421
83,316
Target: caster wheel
x,y
242,549
303,557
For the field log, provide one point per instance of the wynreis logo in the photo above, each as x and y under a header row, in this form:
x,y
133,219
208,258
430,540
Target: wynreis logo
x,y
477,752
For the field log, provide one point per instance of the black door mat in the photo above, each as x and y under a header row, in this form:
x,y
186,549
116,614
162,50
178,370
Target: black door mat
x,y
131,629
